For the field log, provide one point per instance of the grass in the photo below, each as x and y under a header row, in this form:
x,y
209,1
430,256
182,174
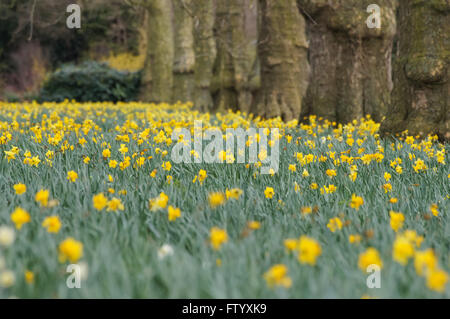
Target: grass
x,y
120,248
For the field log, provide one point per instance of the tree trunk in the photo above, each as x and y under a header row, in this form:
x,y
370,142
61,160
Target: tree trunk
x,y
233,65
421,95
184,60
282,49
205,53
351,63
157,81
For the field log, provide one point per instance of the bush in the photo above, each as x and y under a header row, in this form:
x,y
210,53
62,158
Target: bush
x,y
90,82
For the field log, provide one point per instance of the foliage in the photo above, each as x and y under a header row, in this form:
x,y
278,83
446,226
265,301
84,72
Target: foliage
x,y
90,81
110,24
126,62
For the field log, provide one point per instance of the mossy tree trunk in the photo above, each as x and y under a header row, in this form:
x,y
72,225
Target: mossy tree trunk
x,y
253,19
351,63
157,84
184,60
282,49
205,53
421,96
232,66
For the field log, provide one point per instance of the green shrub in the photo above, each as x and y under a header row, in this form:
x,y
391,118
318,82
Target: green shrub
x,y
90,82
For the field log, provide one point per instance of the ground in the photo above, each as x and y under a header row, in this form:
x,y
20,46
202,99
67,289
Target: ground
x,y
140,225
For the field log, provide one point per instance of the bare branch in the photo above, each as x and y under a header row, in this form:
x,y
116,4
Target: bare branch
x,y
32,20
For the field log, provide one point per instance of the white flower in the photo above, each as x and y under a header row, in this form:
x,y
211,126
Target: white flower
x,y
7,279
7,236
84,270
165,250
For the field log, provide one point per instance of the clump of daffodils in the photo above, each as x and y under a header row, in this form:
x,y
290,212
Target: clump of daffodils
x,y
396,220
278,276
306,248
217,237
216,199
369,257
159,202
70,250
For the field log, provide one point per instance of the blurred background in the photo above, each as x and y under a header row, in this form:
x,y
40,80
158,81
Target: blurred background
x,y
339,60
35,42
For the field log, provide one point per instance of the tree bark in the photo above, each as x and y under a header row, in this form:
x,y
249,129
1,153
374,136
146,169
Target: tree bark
x,y
233,65
421,95
184,60
282,49
351,63
157,82
205,53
